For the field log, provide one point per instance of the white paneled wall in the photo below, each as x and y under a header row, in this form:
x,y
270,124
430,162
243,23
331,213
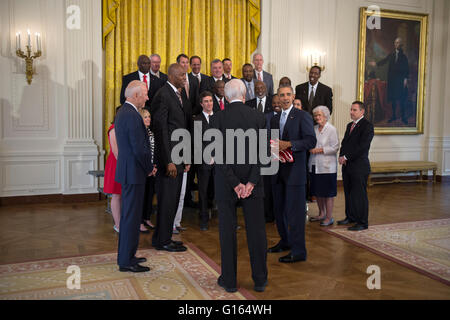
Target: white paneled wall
x,y
290,27
51,130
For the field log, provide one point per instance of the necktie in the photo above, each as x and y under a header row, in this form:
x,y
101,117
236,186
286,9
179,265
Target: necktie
x,y
352,127
199,78
311,97
259,76
221,104
282,123
145,80
186,87
260,108
250,91
179,97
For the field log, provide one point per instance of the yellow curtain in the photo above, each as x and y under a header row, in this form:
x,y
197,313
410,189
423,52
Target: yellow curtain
x,y
208,28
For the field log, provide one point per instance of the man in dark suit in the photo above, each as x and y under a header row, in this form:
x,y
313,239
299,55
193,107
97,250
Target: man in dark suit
x,y
152,82
240,181
297,134
155,65
196,65
262,102
170,111
268,194
397,80
191,87
314,93
219,101
216,74
249,81
260,74
354,158
134,164
205,171
227,66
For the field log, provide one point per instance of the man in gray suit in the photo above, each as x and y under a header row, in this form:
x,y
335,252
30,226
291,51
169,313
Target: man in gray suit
x,y
249,81
262,75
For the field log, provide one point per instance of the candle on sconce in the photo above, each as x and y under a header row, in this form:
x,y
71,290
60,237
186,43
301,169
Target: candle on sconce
x,y
29,37
19,47
38,42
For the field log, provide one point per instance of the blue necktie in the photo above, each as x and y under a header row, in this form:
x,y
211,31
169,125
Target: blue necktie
x,y
282,123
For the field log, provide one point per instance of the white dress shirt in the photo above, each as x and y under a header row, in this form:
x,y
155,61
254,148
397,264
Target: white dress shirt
x,y
327,139
141,77
207,115
263,103
156,74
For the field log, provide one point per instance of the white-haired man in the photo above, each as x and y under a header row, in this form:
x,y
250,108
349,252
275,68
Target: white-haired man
x,y
240,181
260,74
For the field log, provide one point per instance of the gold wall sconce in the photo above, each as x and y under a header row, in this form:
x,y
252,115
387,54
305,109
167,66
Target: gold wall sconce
x,y
315,59
28,56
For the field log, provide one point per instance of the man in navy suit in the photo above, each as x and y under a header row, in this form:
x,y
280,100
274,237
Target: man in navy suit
x,y
354,158
144,75
134,164
297,133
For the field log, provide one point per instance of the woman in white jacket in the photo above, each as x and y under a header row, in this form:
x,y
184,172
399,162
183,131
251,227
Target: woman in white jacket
x,y
323,166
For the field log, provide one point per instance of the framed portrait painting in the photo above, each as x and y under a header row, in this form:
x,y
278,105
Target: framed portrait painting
x,y
391,69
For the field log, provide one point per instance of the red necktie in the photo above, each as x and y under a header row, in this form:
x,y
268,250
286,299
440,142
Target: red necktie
x,y
221,105
145,80
259,76
352,127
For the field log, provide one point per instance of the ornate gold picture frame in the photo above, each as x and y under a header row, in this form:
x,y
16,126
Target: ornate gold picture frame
x,y
391,69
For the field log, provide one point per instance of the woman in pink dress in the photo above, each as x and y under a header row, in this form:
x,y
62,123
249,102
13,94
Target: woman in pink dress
x,y
110,185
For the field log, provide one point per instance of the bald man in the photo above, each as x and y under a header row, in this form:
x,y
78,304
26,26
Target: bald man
x,y
170,110
134,164
142,74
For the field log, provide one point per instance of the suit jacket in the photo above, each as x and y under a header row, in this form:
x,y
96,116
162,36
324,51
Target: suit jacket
x,y
254,104
155,84
227,176
268,80
134,161
216,105
323,97
163,78
249,96
208,84
193,94
168,114
205,126
355,146
202,77
299,130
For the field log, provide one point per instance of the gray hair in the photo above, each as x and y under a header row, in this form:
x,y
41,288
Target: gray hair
x,y
133,87
235,90
155,55
216,61
324,110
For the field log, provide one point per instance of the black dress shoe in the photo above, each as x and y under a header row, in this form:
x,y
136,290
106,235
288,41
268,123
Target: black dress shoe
x,y
260,288
172,247
135,268
278,248
291,258
177,243
140,260
344,222
358,227
221,283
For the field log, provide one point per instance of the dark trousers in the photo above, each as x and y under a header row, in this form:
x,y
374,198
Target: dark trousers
x,y
268,198
356,201
289,204
256,239
148,197
205,184
130,219
168,196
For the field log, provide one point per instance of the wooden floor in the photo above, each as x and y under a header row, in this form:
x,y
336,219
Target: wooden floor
x,y
335,269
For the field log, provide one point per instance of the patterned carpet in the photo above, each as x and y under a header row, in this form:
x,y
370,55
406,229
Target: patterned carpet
x,y
423,246
189,275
